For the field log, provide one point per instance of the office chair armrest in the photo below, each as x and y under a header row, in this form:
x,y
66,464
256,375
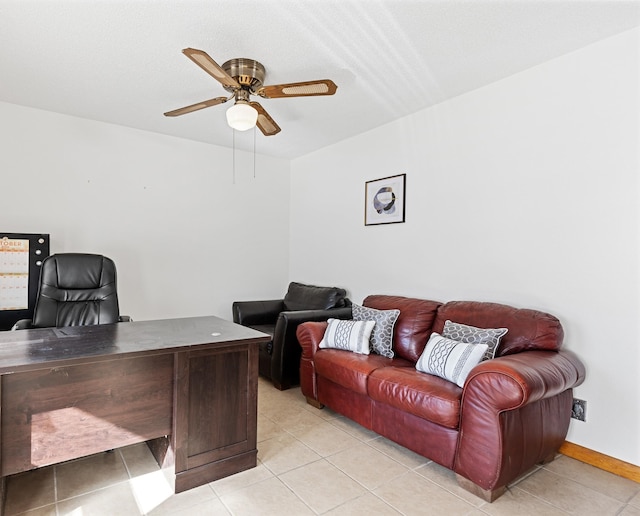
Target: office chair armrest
x,y
23,324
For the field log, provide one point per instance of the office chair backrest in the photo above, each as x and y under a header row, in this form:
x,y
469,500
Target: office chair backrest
x,y
76,290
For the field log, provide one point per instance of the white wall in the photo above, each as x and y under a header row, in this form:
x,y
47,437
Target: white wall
x,y
186,239
524,192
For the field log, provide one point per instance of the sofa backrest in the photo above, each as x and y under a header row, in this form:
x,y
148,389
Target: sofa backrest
x,y
414,324
528,329
309,297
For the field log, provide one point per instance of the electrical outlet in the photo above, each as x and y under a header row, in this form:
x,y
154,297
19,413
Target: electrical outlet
x,y
579,410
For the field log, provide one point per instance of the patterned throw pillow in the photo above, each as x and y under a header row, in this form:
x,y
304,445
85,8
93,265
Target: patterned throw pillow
x,y
449,359
382,336
472,335
348,335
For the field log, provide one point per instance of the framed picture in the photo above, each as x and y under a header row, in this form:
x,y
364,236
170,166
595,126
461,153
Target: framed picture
x,y
384,200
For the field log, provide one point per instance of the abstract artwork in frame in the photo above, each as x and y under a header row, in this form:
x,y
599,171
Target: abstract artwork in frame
x,y
385,200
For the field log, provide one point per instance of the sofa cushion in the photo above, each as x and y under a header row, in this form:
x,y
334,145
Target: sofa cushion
x,y
348,335
472,335
528,329
309,297
425,396
450,359
351,370
382,335
414,324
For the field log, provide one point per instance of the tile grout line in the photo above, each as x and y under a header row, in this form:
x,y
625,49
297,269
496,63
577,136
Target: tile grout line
x,y
124,462
55,488
586,486
126,467
409,469
534,470
321,458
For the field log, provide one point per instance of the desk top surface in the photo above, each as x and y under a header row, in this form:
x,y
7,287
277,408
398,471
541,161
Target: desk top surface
x,y
55,347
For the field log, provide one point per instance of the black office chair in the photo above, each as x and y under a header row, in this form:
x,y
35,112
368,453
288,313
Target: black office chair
x,y
75,290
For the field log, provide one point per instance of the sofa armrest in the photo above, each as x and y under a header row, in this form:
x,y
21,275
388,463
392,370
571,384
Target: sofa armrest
x,y
515,413
23,324
511,381
250,313
285,362
309,335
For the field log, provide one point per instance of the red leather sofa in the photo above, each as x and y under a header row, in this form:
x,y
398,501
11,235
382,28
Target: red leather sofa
x,y
512,412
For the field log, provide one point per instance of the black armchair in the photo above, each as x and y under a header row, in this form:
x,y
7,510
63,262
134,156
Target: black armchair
x,y
75,290
279,359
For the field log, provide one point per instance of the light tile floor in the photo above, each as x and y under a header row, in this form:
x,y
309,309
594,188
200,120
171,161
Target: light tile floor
x,y
311,462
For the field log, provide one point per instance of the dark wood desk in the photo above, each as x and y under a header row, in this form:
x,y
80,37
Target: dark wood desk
x,y
186,386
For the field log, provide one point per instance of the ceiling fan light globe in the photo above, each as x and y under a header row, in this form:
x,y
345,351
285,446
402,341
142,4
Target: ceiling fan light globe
x,y
241,116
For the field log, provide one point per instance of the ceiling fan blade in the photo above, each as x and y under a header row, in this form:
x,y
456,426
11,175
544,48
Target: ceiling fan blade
x,y
204,61
265,123
196,107
298,89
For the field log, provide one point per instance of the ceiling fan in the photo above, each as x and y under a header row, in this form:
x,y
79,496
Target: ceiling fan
x,y
242,78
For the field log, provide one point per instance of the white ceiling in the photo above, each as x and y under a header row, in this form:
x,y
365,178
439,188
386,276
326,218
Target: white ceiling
x,y
120,61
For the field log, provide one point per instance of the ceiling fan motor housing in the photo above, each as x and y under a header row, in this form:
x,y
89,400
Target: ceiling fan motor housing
x,y
247,72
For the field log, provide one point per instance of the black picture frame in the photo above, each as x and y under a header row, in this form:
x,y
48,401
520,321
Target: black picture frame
x,y
384,200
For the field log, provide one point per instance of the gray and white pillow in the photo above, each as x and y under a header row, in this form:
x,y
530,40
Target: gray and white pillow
x,y
382,335
449,359
348,335
472,335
